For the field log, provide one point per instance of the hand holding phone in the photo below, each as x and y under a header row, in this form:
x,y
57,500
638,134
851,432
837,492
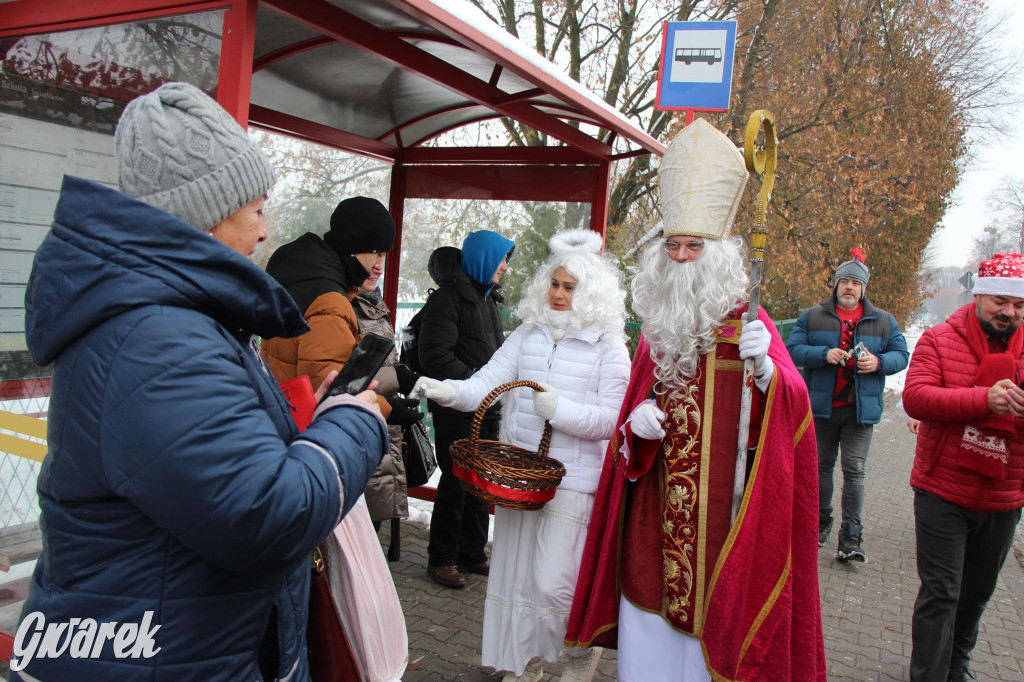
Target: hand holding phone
x,y
361,367
367,396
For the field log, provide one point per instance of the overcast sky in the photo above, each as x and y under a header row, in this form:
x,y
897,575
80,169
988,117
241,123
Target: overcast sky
x,y
994,161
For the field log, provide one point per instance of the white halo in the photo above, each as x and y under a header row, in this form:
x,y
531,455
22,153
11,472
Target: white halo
x,y
576,241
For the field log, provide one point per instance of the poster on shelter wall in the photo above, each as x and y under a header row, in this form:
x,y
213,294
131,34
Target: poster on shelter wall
x,y
37,155
696,65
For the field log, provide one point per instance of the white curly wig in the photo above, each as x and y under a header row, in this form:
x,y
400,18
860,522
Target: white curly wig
x,y
683,304
599,296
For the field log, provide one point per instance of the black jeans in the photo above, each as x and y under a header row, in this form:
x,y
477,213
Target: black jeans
x,y
959,556
458,526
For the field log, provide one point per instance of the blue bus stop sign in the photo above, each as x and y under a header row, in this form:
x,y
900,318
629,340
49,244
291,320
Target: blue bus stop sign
x,y
696,65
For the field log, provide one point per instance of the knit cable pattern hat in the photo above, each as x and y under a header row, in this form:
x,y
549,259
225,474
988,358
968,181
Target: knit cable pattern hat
x,y
180,151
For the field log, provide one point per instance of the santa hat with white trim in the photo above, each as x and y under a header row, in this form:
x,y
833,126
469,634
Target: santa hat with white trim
x,y
1002,275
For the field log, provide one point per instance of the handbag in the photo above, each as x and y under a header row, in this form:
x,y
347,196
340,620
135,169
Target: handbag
x,y
328,649
418,455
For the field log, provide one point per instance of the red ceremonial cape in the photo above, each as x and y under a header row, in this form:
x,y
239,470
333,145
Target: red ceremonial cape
x,y
763,617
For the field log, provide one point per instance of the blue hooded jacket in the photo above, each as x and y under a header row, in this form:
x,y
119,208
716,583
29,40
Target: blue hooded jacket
x,y
176,481
482,253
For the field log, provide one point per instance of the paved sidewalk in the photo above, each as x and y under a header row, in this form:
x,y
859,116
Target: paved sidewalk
x,y
444,625
866,608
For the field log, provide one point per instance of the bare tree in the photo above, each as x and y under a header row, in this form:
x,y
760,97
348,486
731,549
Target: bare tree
x,y
874,98
1007,203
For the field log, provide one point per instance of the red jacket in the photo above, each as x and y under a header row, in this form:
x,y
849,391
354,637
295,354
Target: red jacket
x,y
939,391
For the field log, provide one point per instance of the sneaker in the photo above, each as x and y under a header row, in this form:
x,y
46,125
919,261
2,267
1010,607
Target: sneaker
x,y
960,673
849,548
824,531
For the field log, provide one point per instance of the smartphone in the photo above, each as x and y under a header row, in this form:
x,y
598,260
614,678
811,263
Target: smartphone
x,y
361,366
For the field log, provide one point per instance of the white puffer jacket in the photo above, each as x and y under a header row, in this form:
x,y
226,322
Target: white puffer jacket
x,y
589,370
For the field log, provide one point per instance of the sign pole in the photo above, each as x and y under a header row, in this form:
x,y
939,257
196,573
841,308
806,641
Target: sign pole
x,y
761,162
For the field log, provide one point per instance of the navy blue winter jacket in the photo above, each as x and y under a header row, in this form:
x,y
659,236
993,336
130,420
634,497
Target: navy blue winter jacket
x,y
817,331
176,481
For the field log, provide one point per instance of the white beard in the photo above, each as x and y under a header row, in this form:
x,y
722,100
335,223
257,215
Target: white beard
x,y
682,306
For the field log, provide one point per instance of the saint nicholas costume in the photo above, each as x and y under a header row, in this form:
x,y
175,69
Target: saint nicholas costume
x,y
660,536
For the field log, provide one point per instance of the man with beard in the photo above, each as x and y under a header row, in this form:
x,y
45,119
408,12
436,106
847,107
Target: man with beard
x,y
968,475
846,347
666,577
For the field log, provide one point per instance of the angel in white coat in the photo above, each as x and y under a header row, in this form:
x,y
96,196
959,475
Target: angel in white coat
x,y
571,342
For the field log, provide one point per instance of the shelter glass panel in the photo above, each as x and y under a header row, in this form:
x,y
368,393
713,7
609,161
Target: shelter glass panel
x,y
431,224
311,180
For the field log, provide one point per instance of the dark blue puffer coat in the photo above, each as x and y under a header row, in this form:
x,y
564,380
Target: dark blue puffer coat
x,y
175,480
817,331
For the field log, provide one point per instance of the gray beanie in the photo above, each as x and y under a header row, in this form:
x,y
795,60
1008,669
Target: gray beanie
x,y
180,151
855,270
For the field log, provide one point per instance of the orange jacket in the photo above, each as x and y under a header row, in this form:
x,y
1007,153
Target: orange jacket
x,y
333,334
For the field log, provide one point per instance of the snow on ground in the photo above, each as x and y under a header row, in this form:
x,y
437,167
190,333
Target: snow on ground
x,y
894,382
420,510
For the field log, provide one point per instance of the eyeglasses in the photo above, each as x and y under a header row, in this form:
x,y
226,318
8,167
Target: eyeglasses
x,y
695,246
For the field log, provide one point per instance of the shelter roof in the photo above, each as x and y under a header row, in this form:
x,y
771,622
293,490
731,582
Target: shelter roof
x,y
391,74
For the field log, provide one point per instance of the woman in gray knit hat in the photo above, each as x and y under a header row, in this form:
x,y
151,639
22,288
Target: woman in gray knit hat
x,y
178,501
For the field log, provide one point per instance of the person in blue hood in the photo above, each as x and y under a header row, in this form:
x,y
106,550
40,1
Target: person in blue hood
x,y
178,501
485,257
460,330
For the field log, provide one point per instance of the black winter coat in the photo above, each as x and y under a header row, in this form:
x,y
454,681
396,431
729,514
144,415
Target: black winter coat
x,y
460,327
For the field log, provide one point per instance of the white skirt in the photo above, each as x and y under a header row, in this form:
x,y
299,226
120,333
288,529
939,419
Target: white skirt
x,y
535,561
650,650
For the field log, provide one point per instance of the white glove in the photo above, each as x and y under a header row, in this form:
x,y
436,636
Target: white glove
x,y
754,342
441,392
545,402
646,420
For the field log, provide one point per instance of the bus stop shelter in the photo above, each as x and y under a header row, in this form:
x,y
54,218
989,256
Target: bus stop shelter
x,y
381,78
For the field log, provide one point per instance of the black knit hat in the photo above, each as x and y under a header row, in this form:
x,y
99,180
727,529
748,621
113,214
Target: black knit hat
x,y
361,225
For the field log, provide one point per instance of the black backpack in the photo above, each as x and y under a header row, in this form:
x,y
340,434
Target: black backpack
x,y
410,353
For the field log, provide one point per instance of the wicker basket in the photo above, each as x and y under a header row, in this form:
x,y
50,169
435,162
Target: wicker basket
x,y
502,474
